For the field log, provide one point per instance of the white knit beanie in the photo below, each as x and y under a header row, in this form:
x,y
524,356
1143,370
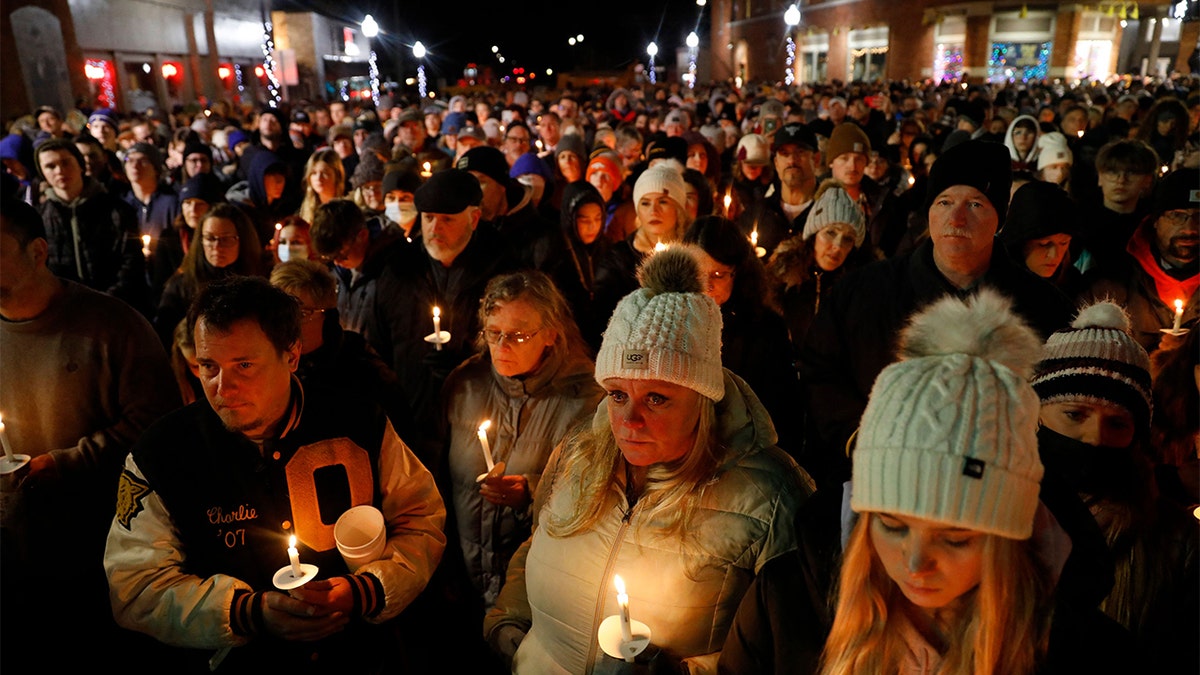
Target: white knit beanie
x,y
950,431
834,205
668,329
1053,149
664,178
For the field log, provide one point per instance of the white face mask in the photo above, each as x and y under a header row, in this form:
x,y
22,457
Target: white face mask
x,y
293,252
401,213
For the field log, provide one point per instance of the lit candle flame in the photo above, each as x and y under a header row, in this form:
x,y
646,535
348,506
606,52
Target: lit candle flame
x,y
754,237
278,226
485,426
660,247
145,240
911,180
437,312
619,583
292,541
1178,305
1079,133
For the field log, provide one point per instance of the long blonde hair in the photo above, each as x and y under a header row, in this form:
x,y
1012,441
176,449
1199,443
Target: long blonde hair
x,y
592,466
1002,629
329,157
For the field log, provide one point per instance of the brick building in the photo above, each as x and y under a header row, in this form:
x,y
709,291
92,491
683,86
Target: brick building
x,y
916,39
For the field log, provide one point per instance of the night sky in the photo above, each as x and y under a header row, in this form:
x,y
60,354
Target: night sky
x,y
530,34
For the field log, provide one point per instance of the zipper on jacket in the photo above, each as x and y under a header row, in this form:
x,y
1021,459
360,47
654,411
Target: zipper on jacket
x,y
597,614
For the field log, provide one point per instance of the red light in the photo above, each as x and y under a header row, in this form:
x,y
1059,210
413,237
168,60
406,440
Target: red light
x,y
169,70
520,80
224,72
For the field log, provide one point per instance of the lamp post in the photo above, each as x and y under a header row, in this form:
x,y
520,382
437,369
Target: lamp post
x,y
419,54
792,18
652,50
692,42
370,29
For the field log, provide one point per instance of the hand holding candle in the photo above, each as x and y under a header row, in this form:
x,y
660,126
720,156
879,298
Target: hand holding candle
x,y
437,328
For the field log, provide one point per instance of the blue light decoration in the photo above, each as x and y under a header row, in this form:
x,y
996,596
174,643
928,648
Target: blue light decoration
x,y
241,84
1019,61
789,74
374,71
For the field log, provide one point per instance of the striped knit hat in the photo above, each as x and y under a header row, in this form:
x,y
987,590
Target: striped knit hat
x,y
1097,360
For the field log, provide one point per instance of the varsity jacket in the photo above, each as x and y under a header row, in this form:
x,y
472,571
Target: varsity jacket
x,y
203,520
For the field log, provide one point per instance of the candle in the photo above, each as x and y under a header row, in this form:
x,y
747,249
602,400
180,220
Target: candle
x,y
911,179
294,558
8,453
1079,133
437,328
1178,321
623,603
538,143
487,451
728,201
146,245
1164,169
754,235
427,172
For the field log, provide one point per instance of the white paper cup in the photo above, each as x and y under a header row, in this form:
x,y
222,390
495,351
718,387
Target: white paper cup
x,y
361,536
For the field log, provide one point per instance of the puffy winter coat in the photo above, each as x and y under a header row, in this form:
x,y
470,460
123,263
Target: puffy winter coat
x,y
560,589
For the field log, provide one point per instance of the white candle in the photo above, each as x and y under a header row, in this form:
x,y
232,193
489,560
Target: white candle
x,y
487,451
146,245
294,558
8,453
1178,321
623,604
437,328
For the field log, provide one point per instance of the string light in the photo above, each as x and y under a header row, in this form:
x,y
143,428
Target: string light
x,y
268,48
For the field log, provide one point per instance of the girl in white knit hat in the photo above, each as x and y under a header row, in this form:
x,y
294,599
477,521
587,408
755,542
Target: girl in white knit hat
x,y
940,574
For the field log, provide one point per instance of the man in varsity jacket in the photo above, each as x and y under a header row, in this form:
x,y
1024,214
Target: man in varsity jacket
x,y
211,493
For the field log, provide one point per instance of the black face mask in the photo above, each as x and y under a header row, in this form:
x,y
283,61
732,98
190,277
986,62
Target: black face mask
x,y
1098,471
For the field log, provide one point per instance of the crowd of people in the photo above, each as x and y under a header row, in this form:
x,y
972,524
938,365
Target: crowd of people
x,y
835,378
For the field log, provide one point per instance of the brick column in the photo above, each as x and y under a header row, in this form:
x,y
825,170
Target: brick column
x,y
837,61
1066,34
1188,34
910,47
978,44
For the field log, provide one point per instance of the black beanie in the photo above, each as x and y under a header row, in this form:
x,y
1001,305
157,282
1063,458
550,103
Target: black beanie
x,y
448,191
1038,210
982,165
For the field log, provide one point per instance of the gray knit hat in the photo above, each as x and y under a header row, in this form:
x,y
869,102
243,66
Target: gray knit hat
x,y
950,431
668,329
834,205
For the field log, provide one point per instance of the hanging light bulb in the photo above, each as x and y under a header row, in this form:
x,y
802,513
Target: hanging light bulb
x,y
1121,13
1024,13
1133,14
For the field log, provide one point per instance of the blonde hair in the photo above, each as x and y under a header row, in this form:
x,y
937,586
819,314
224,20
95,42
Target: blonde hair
x,y
1002,628
592,464
329,157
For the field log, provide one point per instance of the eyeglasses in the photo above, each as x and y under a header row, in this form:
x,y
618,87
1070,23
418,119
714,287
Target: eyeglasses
x,y
1122,175
1177,216
307,313
495,337
220,242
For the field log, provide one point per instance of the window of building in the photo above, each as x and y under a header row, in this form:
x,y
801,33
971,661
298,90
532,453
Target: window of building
x,y
1020,46
814,54
949,37
868,53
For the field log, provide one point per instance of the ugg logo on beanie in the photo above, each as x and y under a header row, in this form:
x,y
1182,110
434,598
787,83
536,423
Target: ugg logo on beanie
x,y
1194,196
858,147
635,359
973,468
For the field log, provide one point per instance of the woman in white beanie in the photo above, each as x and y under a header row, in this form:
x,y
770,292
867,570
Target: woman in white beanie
x,y
660,205
1054,160
806,266
940,573
676,486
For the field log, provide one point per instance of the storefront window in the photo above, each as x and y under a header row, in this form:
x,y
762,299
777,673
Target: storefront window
x,y
102,82
1018,61
1092,59
948,62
